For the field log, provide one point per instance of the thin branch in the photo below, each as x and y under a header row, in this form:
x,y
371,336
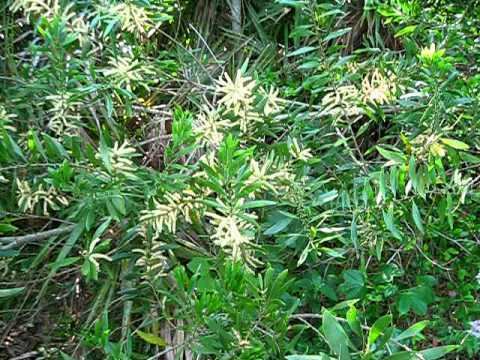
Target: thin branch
x,y
15,241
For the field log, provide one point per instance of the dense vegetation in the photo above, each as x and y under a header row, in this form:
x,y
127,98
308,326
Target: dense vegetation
x,y
256,179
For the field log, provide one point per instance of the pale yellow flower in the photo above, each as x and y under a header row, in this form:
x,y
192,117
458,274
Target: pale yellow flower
x,y
342,102
272,104
47,198
126,72
267,176
431,52
64,115
237,95
93,256
297,152
46,8
247,119
119,159
231,233
164,216
134,19
210,127
377,88
6,120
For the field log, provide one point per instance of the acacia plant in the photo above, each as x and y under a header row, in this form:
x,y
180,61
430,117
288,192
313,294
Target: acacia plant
x,y
274,179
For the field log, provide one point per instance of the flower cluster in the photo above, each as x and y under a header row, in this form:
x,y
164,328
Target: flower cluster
x,y
210,128
64,115
126,72
342,102
47,8
269,176
238,98
164,215
48,198
231,233
377,89
118,160
346,101
6,120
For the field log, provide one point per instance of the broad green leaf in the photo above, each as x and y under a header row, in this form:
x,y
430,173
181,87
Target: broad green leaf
x,y
118,203
335,335
353,321
403,355
410,300
278,226
390,222
353,284
7,228
378,329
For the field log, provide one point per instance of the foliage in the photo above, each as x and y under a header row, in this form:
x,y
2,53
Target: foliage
x,y
306,188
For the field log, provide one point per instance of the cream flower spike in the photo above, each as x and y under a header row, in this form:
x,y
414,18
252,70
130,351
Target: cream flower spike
x,y
237,95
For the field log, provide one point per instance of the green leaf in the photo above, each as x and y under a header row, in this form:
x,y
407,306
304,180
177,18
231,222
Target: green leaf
x,y
395,157
353,321
10,292
325,198
7,228
403,355
292,3
151,338
309,357
65,262
378,328
353,283
335,335
301,51
456,144
412,331
390,224
101,229
354,235
417,218
278,226
405,31
257,204
337,34
437,352
412,300
118,203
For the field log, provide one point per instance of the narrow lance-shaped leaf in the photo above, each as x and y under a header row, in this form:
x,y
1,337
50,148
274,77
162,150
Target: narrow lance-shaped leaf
x,y
417,218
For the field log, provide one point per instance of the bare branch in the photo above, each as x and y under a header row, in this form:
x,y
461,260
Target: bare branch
x,y
15,241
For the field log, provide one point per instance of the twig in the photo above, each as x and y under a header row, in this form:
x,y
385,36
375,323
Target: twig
x,y
15,241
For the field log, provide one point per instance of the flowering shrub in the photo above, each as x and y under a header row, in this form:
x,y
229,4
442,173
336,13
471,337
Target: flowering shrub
x,y
306,188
